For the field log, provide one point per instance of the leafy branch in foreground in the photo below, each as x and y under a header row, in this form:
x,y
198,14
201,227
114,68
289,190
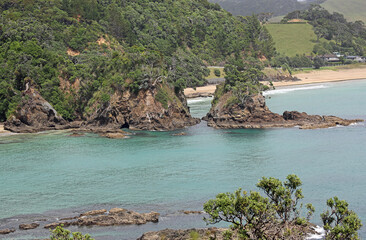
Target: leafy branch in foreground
x,y
340,222
59,233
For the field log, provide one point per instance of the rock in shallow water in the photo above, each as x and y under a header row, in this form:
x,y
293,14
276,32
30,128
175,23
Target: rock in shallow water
x,y
254,113
6,231
116,216
28,226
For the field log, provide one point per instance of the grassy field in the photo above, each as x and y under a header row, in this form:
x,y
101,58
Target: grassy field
x,y
292,39
212,75
352,9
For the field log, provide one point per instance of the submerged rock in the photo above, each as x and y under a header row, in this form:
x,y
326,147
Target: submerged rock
x,y
192,212
114,135
254,113
179,134
115,216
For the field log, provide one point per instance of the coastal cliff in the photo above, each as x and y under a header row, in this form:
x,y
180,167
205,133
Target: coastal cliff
x,y
156,108
34,114
253,113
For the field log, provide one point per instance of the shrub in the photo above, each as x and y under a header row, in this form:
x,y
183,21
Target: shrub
x,y
217,72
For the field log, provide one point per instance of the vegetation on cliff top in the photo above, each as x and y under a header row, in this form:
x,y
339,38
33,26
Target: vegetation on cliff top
x,y
79,52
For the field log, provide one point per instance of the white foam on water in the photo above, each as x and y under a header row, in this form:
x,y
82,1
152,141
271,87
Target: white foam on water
x,y
320,233
200,99
287,90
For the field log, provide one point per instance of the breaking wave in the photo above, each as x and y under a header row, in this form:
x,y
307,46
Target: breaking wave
x,y
287,90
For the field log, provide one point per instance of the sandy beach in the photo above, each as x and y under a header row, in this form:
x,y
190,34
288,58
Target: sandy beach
x,y
326,76
3,131
305,78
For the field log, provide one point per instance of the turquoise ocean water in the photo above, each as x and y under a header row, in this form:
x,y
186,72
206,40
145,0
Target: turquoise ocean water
x,y
49,175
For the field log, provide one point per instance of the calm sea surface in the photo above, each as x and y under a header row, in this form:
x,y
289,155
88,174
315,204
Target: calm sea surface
x,y
49,175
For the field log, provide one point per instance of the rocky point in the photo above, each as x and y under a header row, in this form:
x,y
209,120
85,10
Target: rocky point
x,y
254,113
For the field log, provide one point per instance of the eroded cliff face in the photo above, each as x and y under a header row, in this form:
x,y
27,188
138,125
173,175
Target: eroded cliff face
x,y
255,114
34,114
157,108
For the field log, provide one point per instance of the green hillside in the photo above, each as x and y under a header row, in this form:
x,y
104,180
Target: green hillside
x,y
292,39
78,53
353,10
276,7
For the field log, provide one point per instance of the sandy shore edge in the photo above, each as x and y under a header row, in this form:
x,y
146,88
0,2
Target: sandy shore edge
x,y
322,76
4,132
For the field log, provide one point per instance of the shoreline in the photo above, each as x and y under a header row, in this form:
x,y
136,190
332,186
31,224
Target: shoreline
x,y
313,77
4,132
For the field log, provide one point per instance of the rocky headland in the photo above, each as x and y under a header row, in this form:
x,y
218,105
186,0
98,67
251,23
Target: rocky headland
x,y
253,113
157,108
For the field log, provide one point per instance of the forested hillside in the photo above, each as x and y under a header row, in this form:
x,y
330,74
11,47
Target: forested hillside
x,y
345,37
276,7
353,10
77,53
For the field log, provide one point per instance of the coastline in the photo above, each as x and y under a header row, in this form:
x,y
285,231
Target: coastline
x,y
321,76
4,132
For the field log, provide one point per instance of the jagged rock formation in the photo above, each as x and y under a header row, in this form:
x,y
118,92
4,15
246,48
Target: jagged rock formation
x,y
152,109
34,114
115,216
255,114
157,108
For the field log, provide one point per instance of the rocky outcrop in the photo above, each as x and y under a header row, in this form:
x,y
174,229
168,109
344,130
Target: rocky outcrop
x,y
157,108
28,226
6,231
254,113
115,216
34,114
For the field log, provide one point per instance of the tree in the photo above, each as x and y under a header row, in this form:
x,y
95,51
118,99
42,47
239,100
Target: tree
x,y
217,72
257,217
247,212
339,222
318,63
285,196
